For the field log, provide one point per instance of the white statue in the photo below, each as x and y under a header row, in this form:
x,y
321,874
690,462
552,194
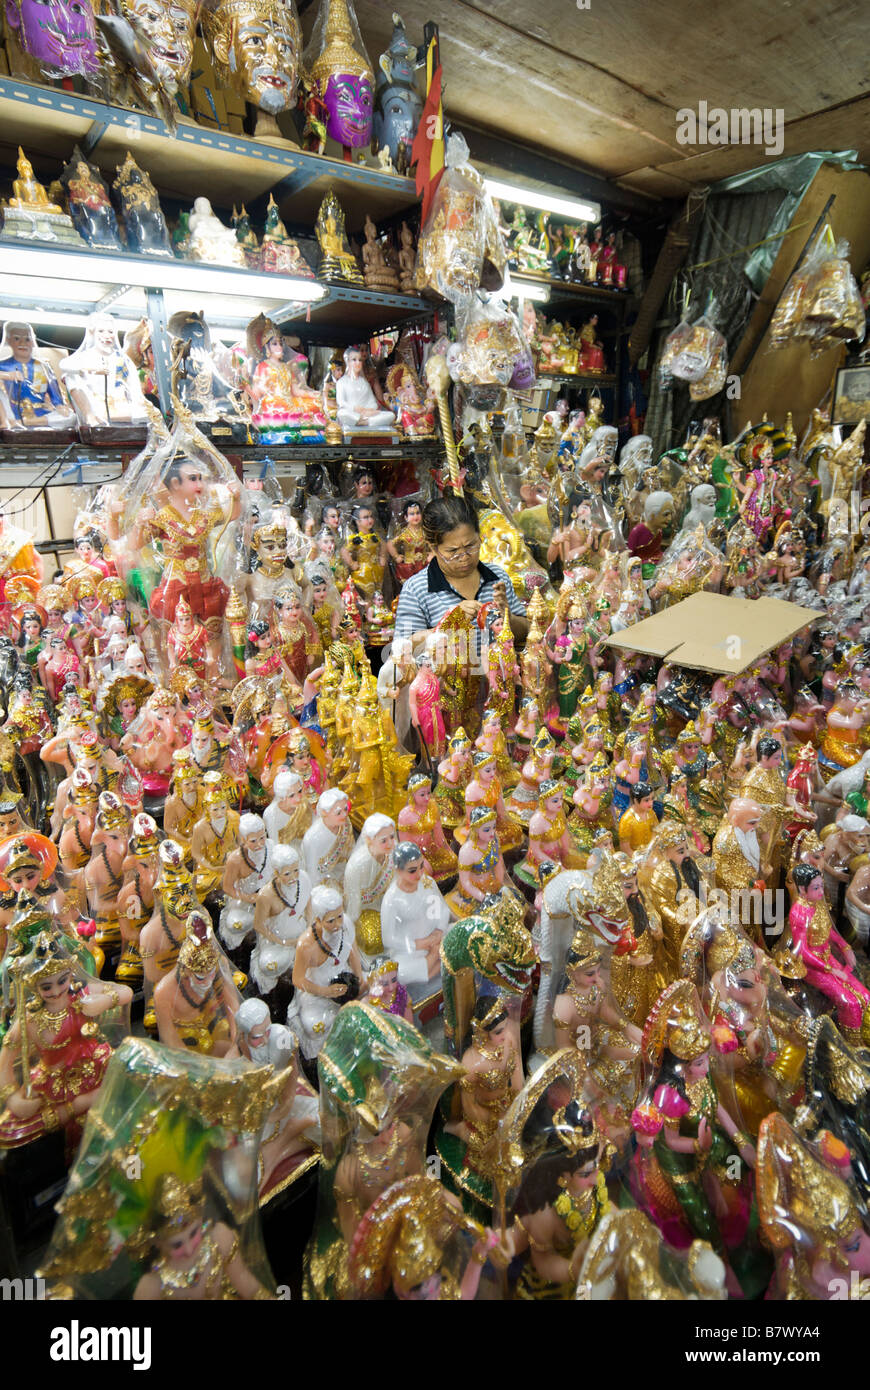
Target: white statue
x,y
288,815
102,382
327,961
210,240
279,918
292,1126
358,406
248,870
366,880
414,917
327,844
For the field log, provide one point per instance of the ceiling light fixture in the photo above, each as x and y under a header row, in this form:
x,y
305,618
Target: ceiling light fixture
x,y
547,202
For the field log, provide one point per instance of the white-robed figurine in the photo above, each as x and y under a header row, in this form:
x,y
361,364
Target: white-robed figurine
x,y
366,880
102,382
414,917
328,970
327,844
358,406
396,675
279,919
289,814
248,870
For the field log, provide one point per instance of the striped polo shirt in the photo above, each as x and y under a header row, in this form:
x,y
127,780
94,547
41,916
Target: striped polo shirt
x,y
428,596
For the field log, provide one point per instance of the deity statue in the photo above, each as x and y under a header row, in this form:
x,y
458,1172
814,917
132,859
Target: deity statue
x,y
327,972
285,408
337,261
379,274
358,406
35,400
195,1004
90,205
198,379
341,75
416,411
279,253
144,222
366,878
210,241
101,380
29,213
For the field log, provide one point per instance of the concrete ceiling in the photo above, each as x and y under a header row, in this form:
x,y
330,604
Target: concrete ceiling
x,y
599,88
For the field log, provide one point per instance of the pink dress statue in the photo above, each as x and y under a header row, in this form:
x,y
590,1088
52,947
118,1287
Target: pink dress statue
x,y
814,935
424,697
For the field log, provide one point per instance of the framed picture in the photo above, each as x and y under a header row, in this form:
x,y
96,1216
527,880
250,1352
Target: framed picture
x,y
851,396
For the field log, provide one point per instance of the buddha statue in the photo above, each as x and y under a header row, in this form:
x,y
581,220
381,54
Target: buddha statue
x,y
337,261
210,240
30,214
379,275
279,253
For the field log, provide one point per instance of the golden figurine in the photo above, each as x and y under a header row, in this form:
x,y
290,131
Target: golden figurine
x,y
27,191
337,261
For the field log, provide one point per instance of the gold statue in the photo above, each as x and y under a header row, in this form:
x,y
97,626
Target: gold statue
x,y
28,192
337,261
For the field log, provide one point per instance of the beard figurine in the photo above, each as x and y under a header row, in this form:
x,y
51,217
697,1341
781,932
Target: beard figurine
x,y
256,46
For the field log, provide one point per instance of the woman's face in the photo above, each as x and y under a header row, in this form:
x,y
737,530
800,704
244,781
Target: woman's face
x,y
581,1179
698,1068
587,977
458,551
413,516
330,518
327,546
127,709
25,878
55,990
318,593
365,521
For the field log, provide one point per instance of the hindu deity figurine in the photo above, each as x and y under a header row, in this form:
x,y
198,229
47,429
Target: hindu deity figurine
x,y
161,937
327,844
673,878
491,739
550,841
103,875
377,770
454,774
537,768
482,871
357,404
415,408
195,1004
408,548
256,47
364,552
814,940
337,261
414,917
592,810
503,671
75,826
485,789
90,205
341,76
144,222
685,1136
59,1042
809,1213
639,823
35,400
289,814
187,643
419,823
215,836
285,407
199,379
135,903
327,971
424,694
152,739
292,1130
567,648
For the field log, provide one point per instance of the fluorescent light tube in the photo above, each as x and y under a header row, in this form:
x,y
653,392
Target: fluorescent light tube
x,y
154,274
547,202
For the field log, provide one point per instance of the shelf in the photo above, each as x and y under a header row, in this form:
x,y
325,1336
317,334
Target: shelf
x,y
347,312
566,290
579,378
226,168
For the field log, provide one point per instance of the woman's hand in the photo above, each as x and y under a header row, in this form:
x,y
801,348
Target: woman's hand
x,y
470,607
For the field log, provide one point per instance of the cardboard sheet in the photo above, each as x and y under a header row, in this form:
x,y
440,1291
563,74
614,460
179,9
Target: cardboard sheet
x,y
716,632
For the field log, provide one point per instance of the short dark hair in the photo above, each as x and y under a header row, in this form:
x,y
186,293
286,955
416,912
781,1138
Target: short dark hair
x,y
641,791
803,875
768,745
444,514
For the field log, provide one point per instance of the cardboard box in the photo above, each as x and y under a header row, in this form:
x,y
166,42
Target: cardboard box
x,y
716,632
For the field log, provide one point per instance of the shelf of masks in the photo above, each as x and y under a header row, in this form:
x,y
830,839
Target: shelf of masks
x,y
225,168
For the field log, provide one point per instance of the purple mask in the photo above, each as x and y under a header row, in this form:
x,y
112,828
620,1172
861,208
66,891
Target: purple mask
x,y
58,34
524,373
349,100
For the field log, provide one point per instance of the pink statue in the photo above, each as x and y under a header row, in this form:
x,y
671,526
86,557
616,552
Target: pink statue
x,y
424,698
813,936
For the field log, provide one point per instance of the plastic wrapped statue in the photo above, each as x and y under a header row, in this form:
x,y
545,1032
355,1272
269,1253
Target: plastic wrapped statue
x,y
102,382
210,240
157,43
628,1261
31,215
341,75
192,497
358,407
198,379
56,1052
379,1082
59,36
32,390
90,205
256,46
398,104
162,1201
144,222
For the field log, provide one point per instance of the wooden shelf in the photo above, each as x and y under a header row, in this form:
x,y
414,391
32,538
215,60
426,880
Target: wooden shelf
x,y
579,378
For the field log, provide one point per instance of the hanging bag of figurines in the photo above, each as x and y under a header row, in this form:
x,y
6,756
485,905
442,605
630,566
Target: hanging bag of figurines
x,y
821,303
696,353
461,248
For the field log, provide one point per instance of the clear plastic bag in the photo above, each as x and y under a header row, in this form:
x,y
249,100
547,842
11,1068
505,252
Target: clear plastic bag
x,y
491,348
54,40
821,302
461,248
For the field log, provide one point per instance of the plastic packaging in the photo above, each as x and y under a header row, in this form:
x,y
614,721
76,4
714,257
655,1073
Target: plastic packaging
x,y
89,203
170,1151
461,247
492,346
55,39
821,302
697,353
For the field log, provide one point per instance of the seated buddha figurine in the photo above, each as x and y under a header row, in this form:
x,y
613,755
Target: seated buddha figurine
x,y
282,400
358,406
337,261
27,191
280,255
30,213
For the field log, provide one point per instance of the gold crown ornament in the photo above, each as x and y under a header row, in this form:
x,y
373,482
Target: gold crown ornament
x,y
480,816
199,950
214,789
339,53
586,947
47,957
676,1022
176,1204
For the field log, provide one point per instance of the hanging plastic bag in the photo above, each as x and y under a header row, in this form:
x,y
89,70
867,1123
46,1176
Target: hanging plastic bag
x,y
461,247
821,302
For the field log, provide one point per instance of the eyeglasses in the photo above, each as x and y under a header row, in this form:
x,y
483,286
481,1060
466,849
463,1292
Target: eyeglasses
x,y
461,550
